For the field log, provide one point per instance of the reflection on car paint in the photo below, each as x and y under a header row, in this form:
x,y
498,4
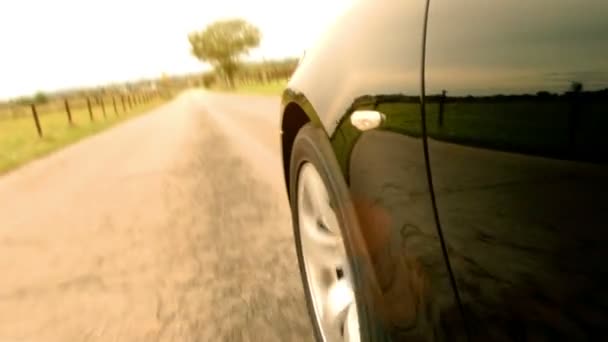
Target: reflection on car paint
x,y
518,158
565,126
397,223
516,109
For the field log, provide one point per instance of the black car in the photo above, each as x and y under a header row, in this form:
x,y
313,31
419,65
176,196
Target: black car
x,y
446,167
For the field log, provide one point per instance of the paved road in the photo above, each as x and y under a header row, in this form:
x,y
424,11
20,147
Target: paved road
x,y
171,227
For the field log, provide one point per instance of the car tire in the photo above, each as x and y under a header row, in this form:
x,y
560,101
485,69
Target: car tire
x,y
313,166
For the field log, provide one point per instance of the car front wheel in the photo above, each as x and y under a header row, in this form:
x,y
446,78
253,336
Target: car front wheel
x,y
322,216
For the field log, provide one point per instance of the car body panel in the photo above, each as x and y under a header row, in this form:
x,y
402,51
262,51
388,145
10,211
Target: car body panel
x,y
388,184
518,163
365,52
516,181
370,60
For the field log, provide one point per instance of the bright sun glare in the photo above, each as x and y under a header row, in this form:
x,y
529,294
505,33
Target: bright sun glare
x,y
55,44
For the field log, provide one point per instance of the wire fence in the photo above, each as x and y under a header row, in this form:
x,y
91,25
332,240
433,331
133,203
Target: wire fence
x,y
77,109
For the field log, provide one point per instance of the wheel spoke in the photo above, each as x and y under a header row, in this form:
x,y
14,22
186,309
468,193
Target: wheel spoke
x,y
339,299
351,325
330,220
318,199
321,246
315,190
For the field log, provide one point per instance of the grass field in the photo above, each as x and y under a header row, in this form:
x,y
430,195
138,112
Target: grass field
x,y
274,87
19,141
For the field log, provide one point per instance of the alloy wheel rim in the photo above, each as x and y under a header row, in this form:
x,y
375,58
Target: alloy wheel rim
x,y
328,272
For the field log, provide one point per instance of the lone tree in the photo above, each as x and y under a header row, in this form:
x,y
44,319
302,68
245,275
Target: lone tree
x,y
222,43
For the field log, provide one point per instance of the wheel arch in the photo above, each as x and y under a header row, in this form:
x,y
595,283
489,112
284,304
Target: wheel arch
x,y
295,113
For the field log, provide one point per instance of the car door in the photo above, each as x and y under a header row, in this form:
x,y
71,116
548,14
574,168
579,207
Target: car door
x,y
516,112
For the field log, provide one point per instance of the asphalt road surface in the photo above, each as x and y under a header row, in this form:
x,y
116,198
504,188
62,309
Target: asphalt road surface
x,y
173,226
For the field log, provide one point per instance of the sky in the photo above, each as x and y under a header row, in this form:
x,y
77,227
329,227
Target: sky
x,y
55,44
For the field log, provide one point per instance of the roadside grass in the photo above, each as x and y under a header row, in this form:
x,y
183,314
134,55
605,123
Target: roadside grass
x,y
19,141
274,87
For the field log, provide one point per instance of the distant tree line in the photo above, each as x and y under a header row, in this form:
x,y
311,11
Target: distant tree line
x,y
38,98
575,92
539,96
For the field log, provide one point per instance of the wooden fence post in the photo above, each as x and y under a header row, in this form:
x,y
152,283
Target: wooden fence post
x,y
67,110
103,107
441,104
124,106
114,105
90,109
36,120
574,119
